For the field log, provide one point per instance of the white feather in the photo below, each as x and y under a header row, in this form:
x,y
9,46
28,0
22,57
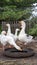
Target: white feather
x,y
11,34
22,35
6,38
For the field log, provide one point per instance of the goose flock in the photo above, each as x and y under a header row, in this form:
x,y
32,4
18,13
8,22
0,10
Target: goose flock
x,y
12,38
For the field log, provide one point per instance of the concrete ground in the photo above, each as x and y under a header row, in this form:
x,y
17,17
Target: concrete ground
x,y
20,61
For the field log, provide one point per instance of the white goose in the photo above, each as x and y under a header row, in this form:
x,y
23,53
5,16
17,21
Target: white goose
x,y
6,38
12,42
3,39
9,32
23,36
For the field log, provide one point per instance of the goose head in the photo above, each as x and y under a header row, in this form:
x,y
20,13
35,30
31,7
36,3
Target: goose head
x,y
8,25
17,29
23,24
3,32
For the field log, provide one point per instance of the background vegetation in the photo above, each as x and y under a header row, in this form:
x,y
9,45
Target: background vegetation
x,y
13,10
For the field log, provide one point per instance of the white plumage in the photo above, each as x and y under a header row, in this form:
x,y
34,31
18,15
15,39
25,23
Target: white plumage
x,y
4,39
12,42
22,35
11,34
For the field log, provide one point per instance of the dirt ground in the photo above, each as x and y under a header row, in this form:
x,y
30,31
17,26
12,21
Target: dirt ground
x,y
20,61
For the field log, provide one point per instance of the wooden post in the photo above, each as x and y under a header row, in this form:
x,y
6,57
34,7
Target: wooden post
x,y
3,25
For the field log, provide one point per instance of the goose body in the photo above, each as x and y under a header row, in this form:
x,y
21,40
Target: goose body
x,y
6,38
12,42
3,39
9,32
23,36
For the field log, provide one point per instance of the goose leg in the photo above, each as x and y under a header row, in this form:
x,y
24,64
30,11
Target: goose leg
x,y
10,46
3,48
25,43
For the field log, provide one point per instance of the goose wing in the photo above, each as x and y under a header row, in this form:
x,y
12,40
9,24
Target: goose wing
x,y
12,42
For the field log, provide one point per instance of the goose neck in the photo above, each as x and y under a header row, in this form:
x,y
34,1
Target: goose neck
x,y
22,31
16,32
9,30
